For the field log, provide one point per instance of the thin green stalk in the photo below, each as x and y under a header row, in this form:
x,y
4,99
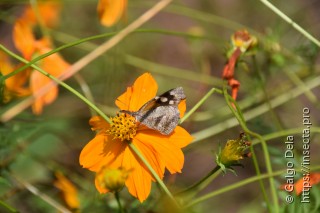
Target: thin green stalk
x,y
240,118
298,82
104,35
71,44
240,184
273,114
116,194
195,188
155,175
242,123
56,80
171,71
285,132
258,110
8,207
291,22
187,115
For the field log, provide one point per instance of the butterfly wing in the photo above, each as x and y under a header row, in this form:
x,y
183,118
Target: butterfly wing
x,y
161,113
163,119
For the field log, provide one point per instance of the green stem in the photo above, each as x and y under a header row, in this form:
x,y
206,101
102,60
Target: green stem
x,y
195,188
80,41
264,147
116,194
56,80
291,22
258,110
238,185
240,119
7,207
273,114
187,115
284,133
155,175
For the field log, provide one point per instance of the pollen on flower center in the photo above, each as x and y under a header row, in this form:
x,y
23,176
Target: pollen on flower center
x,y
123,127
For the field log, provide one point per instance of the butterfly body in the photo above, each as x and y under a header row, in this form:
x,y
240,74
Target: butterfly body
x,y
161,113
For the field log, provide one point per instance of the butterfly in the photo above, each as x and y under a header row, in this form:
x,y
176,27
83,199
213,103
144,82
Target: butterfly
x,y
161,113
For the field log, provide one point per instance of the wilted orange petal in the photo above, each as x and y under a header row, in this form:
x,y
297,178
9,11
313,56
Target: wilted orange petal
x,y
144,89
180,137
139,180
100,151
110,11
23,38
170,154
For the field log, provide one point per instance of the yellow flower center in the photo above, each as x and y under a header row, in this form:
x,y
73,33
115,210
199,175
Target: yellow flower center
x,y
123,127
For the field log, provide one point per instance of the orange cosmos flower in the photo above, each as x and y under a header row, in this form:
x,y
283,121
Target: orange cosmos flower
x,y
69,191
110,148
110,11
31,47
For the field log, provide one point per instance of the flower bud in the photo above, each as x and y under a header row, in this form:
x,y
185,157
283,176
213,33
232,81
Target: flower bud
x,y
243,40
233,151
112,180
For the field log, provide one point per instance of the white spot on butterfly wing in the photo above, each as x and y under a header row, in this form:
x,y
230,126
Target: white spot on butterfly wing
x,y
163,99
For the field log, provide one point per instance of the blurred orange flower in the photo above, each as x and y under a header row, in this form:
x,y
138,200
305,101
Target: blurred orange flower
x,y
69,191
161,151
110,11
48,12
306,182
31,47
15,86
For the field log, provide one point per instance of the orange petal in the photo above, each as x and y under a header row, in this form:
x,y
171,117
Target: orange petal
x,y
170,154
144,89
139,180
102,190
70,192
53,64
98,123
180,137
311,179
48,11
182,107
37,82
110,11
15,85
23,38
150,155
123,100
100,151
